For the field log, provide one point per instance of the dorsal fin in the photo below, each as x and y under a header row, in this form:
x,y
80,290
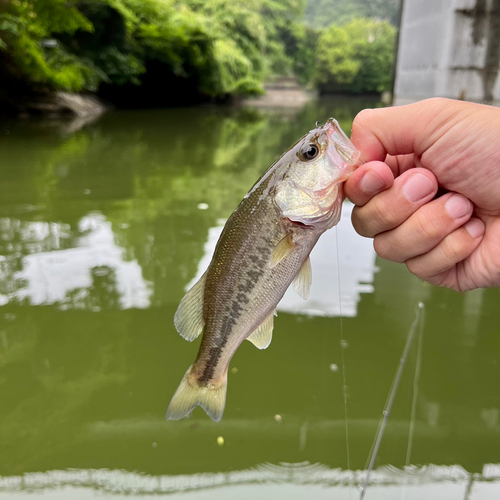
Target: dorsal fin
x,y
261,337
188,319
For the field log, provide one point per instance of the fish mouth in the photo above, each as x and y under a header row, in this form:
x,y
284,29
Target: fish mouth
x,y
340,150
315,200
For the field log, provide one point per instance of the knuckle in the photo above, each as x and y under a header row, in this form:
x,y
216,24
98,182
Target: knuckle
x,y
426,227
360,223
414,266
360,226
385,214
383,245
377,216
446,280
380,247
453,250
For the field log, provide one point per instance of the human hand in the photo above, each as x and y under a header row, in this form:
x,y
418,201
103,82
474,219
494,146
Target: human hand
x,y
452,240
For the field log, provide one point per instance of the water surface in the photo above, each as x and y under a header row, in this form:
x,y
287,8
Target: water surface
x,y
103,227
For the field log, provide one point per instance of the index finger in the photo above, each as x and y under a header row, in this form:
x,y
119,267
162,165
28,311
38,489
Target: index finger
x,y
401,130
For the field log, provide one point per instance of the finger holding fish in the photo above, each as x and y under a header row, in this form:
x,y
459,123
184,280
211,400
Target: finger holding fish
x,y
424,229
367,181
435,238
392,207
444,264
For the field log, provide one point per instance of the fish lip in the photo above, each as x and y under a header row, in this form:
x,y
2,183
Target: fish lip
x,y
340,150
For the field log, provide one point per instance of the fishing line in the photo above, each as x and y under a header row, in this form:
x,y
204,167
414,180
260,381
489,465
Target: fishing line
x,y
342,344
390,399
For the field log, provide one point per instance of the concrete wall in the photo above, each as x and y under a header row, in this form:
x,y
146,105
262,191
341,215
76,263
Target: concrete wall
x,y
449,48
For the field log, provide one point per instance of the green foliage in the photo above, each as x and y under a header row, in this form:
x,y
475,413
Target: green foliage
x,y
356,57
23,26
374,45
304,53
219,41
227,47
336,57
221,47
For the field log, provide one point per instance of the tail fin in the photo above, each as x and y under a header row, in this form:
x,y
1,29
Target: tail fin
x,y
190,393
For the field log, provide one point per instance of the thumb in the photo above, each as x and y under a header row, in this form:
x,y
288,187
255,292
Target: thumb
x,y
402,130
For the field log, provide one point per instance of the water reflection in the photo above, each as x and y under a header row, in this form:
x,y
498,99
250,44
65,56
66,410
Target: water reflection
x,y
93,275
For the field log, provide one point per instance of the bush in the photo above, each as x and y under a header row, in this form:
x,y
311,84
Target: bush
x,y
227,47
24,25
220,47
356,57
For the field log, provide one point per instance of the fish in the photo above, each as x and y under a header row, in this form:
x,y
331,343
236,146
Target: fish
x,y
263,248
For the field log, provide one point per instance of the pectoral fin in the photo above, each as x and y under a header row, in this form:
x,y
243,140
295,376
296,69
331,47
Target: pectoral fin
x,y
188,319
302,282
282,249
262,336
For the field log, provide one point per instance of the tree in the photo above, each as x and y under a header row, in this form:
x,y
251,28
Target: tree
x,y
336,57
23,27
373,42
356,57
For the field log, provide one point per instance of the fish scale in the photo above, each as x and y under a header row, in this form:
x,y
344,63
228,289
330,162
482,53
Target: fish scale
x,y
263,248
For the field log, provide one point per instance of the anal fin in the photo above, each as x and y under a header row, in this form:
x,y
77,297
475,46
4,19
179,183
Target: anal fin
x,y
302,282
262,336
188,319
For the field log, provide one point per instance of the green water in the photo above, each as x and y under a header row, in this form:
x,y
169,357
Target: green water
x,y
102,228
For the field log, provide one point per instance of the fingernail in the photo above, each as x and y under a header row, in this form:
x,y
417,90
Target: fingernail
x,y
372,182
458,206
418,186
475,228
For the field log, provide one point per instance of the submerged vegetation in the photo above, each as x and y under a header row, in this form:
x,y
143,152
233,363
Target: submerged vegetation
x,y
207,49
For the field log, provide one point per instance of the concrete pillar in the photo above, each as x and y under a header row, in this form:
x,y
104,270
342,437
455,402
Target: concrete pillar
x,y
449,48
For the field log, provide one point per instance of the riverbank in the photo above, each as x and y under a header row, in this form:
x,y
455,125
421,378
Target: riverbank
x,y
282,93
53,104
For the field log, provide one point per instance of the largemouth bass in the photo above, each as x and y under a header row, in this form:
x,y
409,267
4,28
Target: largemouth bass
x,y
263,248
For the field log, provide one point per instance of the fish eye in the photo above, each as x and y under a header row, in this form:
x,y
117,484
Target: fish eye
x,y
309,151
